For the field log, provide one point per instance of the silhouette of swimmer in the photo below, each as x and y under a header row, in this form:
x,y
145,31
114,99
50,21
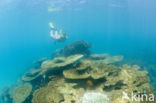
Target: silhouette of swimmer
x,y
57,36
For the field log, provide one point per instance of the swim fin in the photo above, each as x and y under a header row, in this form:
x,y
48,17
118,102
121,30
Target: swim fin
x,y
51,25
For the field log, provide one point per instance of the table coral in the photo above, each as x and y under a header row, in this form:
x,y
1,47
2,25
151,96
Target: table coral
x,y
95,71
21,92
60,62
47,94
31,75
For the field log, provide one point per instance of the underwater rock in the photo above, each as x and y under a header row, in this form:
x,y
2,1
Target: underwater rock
x,y
47,94
60,62
78,47
104,58
31,75
94,97
21,92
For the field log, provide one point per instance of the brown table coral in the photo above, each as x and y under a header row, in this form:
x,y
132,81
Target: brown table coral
x,y
47,94
87,69
60,62
21,92
31,75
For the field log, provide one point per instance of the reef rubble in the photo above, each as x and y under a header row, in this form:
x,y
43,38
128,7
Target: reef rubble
x,y
75,78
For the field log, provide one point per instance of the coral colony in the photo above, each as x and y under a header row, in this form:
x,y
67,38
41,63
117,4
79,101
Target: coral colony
x,y
75,75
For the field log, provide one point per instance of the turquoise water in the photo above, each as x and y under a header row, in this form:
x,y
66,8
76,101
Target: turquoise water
x,y
117,27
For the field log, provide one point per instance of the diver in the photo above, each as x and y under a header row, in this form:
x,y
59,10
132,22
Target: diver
x,y
55,35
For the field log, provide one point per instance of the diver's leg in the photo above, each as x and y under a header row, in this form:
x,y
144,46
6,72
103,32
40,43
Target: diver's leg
x,y
52,34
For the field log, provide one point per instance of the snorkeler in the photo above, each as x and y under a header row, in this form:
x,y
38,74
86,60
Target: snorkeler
x,y
55,35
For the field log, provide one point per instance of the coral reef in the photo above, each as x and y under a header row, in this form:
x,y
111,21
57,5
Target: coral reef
x,y
78,47
75,78
21,92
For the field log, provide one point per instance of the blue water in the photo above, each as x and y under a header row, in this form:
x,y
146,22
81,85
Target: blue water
x,y
125,27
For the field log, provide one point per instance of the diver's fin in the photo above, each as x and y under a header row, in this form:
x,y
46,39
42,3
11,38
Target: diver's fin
x,y
51,25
